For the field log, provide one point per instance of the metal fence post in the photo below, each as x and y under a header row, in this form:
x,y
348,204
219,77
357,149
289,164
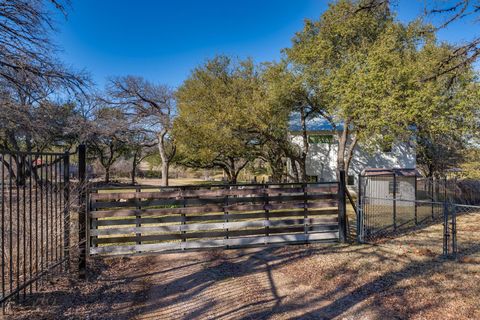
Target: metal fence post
x,y
446,234
225,216
184,216
454,232
82,221
359,211
66,208
305,211
415,199
432,193
342,208
445,193
138,216
267,212
394,201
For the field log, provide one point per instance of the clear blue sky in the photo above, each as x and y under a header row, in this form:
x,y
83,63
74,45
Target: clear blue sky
x,y
163,40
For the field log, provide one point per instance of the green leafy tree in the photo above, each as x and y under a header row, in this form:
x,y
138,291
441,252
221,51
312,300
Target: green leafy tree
x,y
471,165
285,94
447,115
347,61
370,76
217,105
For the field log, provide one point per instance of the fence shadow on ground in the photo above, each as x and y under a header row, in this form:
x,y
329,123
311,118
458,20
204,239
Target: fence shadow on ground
x,y
244,284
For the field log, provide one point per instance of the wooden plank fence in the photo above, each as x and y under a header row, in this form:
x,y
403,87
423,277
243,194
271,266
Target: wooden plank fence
x,y
146,219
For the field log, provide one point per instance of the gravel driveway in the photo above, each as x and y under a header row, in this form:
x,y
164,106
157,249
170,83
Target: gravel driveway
x,y
398,279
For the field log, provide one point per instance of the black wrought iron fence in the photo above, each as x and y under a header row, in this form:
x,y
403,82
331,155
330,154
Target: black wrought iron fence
x,y
36,196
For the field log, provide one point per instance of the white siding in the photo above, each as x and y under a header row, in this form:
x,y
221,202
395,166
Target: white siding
x,y
322,159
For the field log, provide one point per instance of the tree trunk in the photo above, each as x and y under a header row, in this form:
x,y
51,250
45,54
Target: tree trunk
x,y
233,179
342,143
107,174
303,170
293,163
165,167
134,168
349,153
233,173
277,167
227,173
164,157
232,169
303,162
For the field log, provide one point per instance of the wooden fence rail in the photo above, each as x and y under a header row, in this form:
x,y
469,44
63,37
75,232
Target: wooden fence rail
x,y
149,219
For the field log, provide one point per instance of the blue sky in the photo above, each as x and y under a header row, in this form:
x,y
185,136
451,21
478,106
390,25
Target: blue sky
x,y
164,40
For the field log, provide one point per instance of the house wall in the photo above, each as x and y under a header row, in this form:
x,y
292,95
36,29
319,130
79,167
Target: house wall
x,y
322,159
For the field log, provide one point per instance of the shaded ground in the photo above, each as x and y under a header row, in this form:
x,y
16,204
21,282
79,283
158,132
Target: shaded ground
x,y
398,279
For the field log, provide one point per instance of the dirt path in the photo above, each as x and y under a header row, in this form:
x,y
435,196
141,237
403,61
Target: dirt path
x,y
400,278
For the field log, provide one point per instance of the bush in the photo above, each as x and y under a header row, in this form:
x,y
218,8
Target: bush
x,y
150,174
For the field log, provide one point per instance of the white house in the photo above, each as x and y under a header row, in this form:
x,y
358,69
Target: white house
x,y
322,155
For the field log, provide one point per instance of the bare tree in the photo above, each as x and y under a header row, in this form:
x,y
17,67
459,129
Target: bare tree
x,y
107,140
32,78
152,107
140,144
26,48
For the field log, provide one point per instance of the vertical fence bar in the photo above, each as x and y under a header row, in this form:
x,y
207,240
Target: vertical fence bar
x,y
66,208
432,194
446,235
225,214
60,205
30,210
24,218
47,212
359,210
365,207
267,212
305,211
415,198
138,215
394,201
10,210
17,202
82,223
184,215
42,246
57,220
3,224
342,209
454,232
52,213
36,219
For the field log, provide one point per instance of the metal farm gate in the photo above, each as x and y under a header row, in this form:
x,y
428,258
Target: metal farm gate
x,y
35,219
150,219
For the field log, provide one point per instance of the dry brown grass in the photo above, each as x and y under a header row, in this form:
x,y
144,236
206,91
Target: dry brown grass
x,y
401,278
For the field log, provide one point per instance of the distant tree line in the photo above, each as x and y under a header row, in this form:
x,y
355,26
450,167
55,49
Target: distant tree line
x,y
370,76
